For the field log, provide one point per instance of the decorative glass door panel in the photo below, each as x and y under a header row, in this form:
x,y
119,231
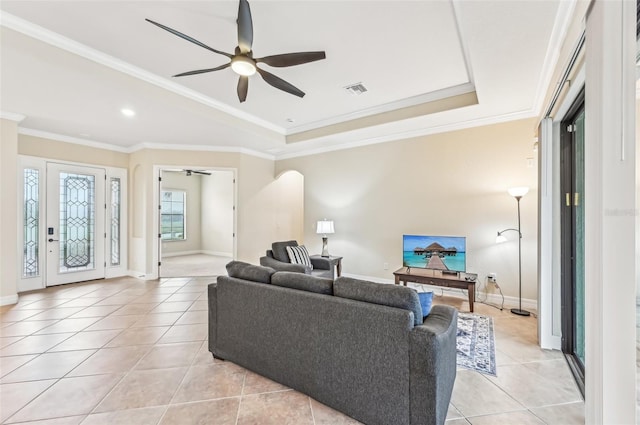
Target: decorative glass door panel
x,y
75,223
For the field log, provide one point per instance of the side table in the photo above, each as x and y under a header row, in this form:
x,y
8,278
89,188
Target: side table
x,y
335,262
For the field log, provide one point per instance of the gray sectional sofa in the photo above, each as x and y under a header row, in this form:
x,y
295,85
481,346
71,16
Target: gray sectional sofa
x,y
359,347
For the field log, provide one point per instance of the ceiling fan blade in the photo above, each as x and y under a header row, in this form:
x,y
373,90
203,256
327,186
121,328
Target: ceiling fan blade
x,y
243,88
202,71
291,59
245,27
279,83
186,37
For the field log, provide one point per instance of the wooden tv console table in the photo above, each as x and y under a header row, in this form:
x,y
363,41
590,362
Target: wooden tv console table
x,y
436,278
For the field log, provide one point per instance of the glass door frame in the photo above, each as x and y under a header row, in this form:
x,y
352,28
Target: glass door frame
x,y
570,198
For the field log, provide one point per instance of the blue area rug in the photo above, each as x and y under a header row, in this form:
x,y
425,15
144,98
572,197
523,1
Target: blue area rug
x,y
475,343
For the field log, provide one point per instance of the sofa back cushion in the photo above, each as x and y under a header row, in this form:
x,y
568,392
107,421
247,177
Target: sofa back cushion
x,y
303,282
246,271
379,293
280,250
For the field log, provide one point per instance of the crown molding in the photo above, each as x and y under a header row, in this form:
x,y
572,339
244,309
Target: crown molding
x,y
479,122
561,26
141,146
35,31
12,116
69,139
202,148
385,108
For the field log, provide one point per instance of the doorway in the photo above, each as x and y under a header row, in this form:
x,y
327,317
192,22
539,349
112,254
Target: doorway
x,y
75,223
572,237
196,221
72,221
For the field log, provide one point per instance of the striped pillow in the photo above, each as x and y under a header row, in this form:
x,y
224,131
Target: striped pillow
x,y
299,255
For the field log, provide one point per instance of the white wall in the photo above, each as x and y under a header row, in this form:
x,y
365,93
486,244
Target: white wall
x,y
217,213
445,184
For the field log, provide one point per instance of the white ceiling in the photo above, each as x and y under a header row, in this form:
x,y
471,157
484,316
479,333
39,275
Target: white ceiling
x,y
70,66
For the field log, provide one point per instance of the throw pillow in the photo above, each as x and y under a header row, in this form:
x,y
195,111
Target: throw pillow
x,y
299,255
426,300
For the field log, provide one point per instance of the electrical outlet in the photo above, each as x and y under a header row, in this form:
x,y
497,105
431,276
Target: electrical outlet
x,y
386,266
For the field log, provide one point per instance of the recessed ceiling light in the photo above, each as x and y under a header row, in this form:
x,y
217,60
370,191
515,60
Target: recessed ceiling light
x,y
127,112
290,120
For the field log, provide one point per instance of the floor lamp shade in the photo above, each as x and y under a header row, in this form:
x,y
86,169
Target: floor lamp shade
x,y
325,227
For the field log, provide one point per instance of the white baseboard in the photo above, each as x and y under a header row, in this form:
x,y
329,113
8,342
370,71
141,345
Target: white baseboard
x,y
180,253
141,275
9,299
195,252
494,299
218,253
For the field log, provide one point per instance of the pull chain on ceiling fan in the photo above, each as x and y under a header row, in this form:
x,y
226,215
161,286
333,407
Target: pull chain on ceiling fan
x,y
242,61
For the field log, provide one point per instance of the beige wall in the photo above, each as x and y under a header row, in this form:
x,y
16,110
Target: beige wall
x,y
446,184
192,185
53,149
8,211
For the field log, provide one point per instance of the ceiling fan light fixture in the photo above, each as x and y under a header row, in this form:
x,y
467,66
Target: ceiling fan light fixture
x,y
242,65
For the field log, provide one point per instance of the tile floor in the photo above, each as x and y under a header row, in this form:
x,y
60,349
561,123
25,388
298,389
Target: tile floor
x,y
125,351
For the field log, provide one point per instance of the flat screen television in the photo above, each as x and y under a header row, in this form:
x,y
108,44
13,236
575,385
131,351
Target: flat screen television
x,y
447,253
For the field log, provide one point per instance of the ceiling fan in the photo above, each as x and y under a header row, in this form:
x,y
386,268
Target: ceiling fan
x,y
187,171
243,62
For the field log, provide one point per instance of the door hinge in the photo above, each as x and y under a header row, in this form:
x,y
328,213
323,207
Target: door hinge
x,y
567,199
159,207
105,234
159,263
234,207
571,128
234,181
159,235
234,234
105,264
159,179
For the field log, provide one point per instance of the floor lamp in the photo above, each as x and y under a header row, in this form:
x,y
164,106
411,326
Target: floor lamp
x,y
518,193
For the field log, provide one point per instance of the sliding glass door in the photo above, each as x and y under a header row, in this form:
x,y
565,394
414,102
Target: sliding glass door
x,y
572,245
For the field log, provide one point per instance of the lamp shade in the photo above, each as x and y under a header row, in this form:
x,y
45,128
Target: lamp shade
x,y
325,227
518,192
500,238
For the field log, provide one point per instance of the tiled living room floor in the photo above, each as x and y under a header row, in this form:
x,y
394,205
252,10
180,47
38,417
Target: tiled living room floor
x,y
125,351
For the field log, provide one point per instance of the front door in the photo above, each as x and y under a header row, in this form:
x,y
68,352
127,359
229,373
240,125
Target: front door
x,y
75,231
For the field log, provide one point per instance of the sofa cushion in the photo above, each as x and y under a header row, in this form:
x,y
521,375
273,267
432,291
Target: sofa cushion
x,y
426,300
280,250
246,271
379,293
299,255
303,282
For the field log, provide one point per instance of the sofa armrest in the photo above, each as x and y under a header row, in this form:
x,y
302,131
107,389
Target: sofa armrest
x,y
213,316
283,267
321,263
432,365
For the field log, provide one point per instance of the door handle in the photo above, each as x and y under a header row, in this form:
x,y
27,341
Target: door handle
x,y
53,240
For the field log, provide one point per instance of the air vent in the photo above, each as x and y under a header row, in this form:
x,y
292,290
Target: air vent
x,y
356,89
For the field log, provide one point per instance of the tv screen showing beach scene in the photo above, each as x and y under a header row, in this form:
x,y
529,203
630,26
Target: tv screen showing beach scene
x,y
434,252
